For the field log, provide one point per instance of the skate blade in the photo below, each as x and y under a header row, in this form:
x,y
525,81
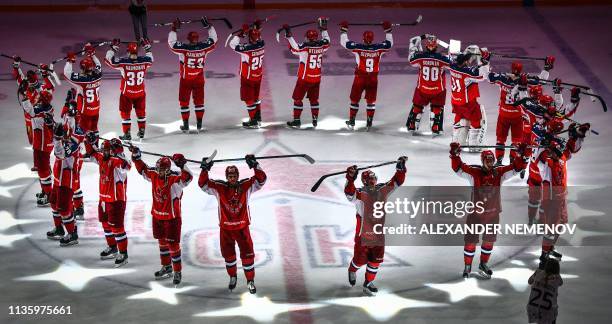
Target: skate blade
x,y
54,238
163,277
118,265
484,274
369,293
69,243
109,257
43,205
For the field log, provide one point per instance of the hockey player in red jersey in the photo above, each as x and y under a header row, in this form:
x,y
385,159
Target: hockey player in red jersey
x,y
431,82
310,54
367,56
234,216
552,165
33,86
369,247
133,70
65,170
41,118
470,120
192,60
87,83
113,167
510,116
486,180
167,191
251,70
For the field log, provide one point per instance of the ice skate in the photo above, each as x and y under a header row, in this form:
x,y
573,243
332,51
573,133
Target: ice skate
x,y
163,273
485,271
251,286
466,271
70,239
176,281
296,123
109,253
121,260
369,288
352,278
232,283
56,234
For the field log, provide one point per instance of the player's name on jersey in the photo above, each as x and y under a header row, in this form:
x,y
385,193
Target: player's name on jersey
x,y
477,229
337,69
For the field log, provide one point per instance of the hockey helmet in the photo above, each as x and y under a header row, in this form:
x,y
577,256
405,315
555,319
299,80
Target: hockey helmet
x,y
87,64
431,42
554,126
535,91
517,68
254,35
312,35
132,48
32,77
368,36
116,145
163,165
367,176
193,37
546,101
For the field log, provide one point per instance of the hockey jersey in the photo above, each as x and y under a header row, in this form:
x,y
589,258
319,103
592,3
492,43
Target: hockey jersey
x,y
42,134
88,87
192,57
132,71
113,174
251,58
311,56
367,56
432,71
464,86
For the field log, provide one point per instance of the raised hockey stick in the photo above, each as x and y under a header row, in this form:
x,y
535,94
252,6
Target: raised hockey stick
x,y
130,145
80,52
588,91
544,81
577,123
325,176
292,26
603,103
153,41
414,23
25,62
493,54
304,156
226,21
237,31
497,146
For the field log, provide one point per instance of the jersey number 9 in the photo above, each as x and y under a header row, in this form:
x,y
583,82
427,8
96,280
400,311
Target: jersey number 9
x,y
369,64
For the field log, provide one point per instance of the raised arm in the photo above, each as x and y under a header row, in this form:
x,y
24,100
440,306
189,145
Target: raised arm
x,y
349,187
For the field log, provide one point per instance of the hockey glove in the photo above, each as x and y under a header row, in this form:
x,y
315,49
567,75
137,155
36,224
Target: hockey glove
x,y
386,25
401,163
176,25
136,154
115,44
485,56
179,160
582,129
251,161
91,137
549,63
146,44
71,57
206,165
557,86
287,31
16,61
344,26
351,173
575,95
89,49
244,30
257,24
455,148
44,70
322,23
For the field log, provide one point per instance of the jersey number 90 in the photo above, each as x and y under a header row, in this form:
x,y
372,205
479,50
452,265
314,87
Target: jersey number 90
x,y
430,73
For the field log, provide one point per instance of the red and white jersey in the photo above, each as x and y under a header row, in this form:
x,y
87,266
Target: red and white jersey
x,y
42,134
507,95
311,57
65,168
554,171
132,71
464,86
32,92
113,175
233,201
432,70
367,56
251,58
88,87
167,192
364,200
192,57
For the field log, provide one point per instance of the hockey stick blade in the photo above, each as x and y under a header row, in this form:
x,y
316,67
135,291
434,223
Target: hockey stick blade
x,y
603,103
414,23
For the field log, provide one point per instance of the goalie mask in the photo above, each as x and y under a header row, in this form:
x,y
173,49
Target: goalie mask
x,y
431,43
473,54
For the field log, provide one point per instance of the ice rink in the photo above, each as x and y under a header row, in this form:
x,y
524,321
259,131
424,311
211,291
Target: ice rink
x,y
303,240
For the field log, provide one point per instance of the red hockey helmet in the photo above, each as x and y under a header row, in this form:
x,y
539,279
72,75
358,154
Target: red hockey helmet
x,y
368,36
431,42
367,176
546,100
163,164
45,97
535,91
554,126
106,146
132,48
312,35
193,37
32,77
116,145
254,35
517,68
87,64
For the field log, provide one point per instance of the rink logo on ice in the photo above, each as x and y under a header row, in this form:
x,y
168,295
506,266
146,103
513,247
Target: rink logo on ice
x,y
330,247
201,248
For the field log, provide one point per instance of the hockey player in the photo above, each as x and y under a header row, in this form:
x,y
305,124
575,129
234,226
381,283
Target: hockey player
x,y
510,117
251,70
167,191
30,81
87,83
192,59
41,120
65,169
367,56
431,82
310,53
468,68
133,69
486,180
553,170
113,168
234,216
542,307
369,247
